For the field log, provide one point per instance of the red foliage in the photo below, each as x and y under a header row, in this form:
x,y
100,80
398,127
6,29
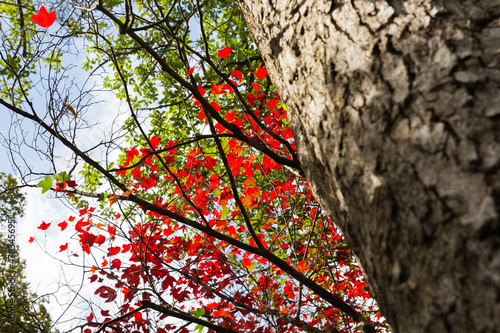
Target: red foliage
x,y
44,18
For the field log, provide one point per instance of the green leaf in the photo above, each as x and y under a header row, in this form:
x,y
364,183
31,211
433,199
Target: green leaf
x,y
199,328
45,184
198,312
62,176
224,213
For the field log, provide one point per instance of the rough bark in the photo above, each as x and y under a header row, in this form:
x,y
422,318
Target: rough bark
x,y
395,107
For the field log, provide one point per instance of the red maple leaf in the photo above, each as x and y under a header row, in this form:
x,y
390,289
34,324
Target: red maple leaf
x,y
190,71
31,240
261,73
63,225
237,73
224,53
43,226
218,89
116,263
63,247
44,18
155,141
106,292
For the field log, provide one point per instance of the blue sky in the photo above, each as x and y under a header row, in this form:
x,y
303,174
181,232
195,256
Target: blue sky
x,y
45,271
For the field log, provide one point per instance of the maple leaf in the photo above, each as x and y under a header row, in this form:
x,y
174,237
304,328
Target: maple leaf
x,y
63,247
63,225
237,73
247,262
100,239
272,104
112,199
218,89
106,292
112,251
215,106
224,53
44,18
31,240
249,181
71,183
43,226
104,263
154,142
111,230
115,263
261,73
190,71
302,266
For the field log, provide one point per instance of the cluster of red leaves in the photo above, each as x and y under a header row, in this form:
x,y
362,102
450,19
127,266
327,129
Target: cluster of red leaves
x,y
162,259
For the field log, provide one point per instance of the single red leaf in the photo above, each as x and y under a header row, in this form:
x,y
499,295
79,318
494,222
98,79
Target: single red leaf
x,y
126,248
100,239
106,292
114,250
218,89
90,317
71,183
201,90
155,141
272,104
261,73
138,317
237,73
115,263
111,229
247,262
44,18
63,225
251,99
231,230
190,71
215,106
224,53
63,247
105,313
104,263
302,266
255,86
31,240
43,226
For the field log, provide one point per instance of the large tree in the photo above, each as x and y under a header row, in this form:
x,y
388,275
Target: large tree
x,y
194,208
395,106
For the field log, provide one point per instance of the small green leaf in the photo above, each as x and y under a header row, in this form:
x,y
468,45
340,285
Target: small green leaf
x,y
224,213
198,312
45,184
62,176
199,328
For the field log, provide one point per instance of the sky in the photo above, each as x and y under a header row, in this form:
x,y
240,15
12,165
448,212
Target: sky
x,y
45,269
45,266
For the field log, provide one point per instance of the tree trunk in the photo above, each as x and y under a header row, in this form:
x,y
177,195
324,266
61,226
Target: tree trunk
x,y
395,107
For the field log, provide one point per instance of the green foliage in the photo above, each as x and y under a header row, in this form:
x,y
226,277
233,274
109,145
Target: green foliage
x,y
30,312
12,200
45,184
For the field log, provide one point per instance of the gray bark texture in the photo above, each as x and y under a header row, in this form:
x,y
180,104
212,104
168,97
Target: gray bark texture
x,y
395,108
